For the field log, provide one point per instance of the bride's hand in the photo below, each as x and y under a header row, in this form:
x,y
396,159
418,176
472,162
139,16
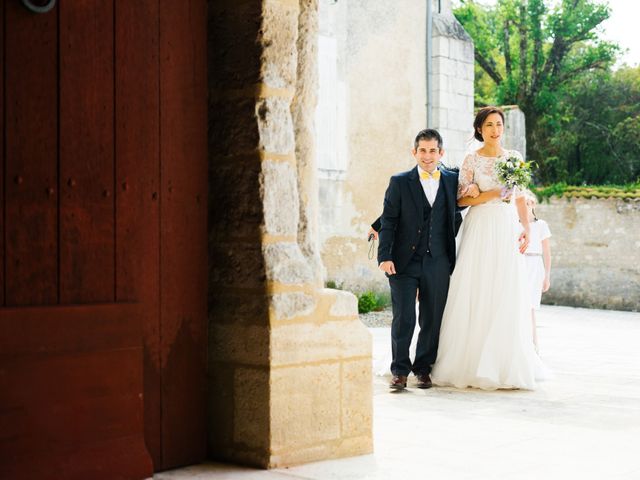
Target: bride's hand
x,y
472,191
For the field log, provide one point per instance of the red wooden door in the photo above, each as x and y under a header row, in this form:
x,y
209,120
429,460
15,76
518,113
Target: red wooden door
x,y
102,238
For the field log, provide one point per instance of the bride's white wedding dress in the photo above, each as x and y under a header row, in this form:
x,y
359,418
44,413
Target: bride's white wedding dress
x,y
486,337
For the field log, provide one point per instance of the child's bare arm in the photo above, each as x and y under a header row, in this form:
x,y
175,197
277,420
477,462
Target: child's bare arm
x,y
546,257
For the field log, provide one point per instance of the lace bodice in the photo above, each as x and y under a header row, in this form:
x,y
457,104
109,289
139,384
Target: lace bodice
x,y
481,171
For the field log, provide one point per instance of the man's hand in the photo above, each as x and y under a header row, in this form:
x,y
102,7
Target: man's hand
x,y
388,267
372,232
524,241
472,191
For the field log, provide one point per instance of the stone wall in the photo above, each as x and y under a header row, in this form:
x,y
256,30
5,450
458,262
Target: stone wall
x,y
289,361
595,251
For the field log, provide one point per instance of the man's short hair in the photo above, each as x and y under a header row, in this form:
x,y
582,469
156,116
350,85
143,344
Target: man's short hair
x,y
428,134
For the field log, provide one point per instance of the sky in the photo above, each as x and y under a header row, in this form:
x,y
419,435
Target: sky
x,y
621,27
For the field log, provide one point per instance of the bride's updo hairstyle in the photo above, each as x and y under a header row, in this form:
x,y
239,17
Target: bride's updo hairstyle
x,y
481,116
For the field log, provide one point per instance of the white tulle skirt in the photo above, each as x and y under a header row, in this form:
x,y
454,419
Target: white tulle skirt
x,y
486,337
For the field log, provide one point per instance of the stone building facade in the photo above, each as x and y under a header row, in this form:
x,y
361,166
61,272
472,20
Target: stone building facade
x,y
372,102
289,361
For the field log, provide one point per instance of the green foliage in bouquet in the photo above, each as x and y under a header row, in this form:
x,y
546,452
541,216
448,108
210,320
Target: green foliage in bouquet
x,y
513,172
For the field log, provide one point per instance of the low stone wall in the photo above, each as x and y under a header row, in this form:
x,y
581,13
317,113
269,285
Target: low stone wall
x,y
595,252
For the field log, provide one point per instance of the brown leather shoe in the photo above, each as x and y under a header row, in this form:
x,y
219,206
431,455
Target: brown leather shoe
x,y
398,382
424,381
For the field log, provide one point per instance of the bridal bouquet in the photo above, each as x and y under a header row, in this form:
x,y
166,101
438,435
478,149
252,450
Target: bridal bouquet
x,y
513,172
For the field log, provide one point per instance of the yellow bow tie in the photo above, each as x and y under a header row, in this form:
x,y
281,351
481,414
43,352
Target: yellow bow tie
x,y
426,175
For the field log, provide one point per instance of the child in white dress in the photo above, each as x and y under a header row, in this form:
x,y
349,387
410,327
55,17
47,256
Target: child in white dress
x,y
538,259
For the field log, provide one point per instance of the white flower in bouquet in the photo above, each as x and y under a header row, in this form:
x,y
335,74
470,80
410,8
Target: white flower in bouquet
x,y
513,172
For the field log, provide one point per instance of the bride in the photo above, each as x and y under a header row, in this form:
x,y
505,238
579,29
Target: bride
x,y
486,339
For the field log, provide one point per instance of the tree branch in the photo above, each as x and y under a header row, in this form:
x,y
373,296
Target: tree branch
x,y
489,67
524,41
507,48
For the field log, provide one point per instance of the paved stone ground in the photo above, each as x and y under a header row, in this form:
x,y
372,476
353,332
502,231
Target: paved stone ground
x,y
377,319
582,424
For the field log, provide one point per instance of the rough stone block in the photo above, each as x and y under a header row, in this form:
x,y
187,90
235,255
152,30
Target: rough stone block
x,y
275,125
239,344
279,35
441,118
285,263
441,46
452,101
455,49
305,404
235,205
237,308
443,65
251,408
439,81
280,187
464,71
237,264
317,342
234,58
462,86
357,395
343,303
350,447
233,126
220,407
285,306
467,52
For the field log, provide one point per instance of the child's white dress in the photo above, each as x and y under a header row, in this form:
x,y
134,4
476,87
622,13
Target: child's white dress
x,y
535,264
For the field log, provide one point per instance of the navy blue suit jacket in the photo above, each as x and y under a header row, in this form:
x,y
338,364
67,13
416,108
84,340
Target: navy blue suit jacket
x,y
403,216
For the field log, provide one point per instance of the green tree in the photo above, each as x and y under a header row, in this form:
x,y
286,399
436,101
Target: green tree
x,y
532,53
599,138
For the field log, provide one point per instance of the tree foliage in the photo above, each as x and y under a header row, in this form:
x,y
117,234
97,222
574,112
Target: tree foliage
x,y
599,136
532,53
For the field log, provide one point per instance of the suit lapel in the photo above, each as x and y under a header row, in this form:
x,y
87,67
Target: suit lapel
x,y
450,190
416,191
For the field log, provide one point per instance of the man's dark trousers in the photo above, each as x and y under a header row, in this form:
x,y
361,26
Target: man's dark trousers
x,y
430,276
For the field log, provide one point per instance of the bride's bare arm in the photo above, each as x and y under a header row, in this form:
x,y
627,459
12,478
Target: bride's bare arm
x,y
484,197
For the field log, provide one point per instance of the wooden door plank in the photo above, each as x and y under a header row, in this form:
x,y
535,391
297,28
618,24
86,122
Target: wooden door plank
x,y
87,262
71,393
89,461
78,386
65,329
137,181
183,239
31,209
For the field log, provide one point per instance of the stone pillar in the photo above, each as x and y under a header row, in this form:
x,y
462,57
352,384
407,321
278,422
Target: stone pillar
x,y
515,135
452,83
289,361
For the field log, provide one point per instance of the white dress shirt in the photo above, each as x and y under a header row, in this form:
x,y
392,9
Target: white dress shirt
x,y
430,186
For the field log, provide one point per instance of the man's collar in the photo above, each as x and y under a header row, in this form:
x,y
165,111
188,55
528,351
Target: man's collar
x,y
420,169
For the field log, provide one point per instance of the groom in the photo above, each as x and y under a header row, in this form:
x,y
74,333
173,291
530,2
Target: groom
x,y
417,252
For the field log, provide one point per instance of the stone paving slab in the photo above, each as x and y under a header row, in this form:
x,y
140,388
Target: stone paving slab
x,y
584,423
